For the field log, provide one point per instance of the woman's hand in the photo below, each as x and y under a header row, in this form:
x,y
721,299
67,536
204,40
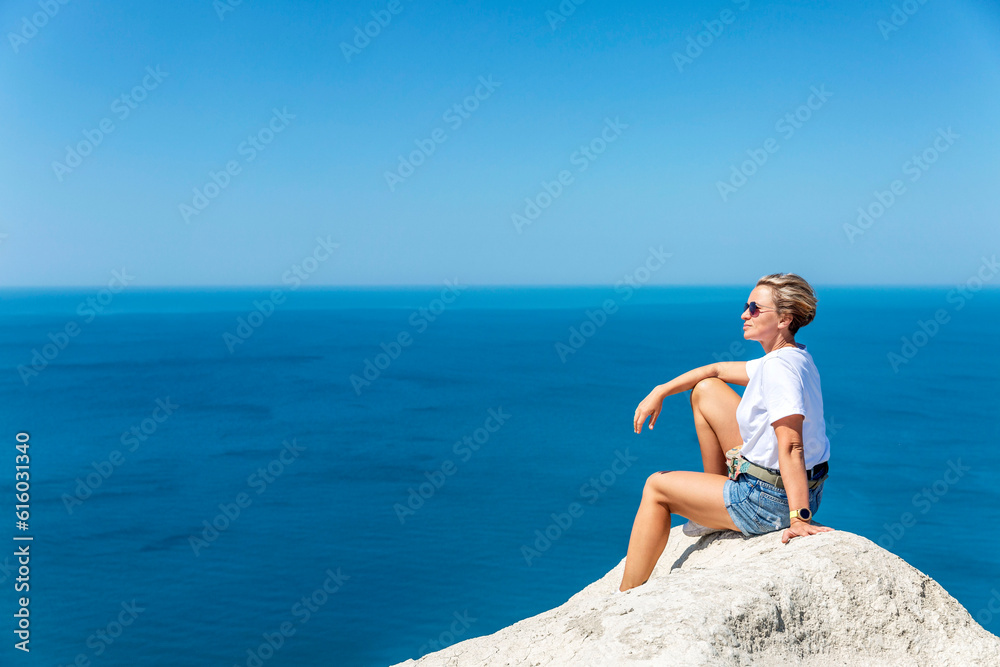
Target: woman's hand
x,y
649,407
801,529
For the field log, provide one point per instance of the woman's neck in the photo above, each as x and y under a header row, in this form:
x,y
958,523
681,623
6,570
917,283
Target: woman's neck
x,y
780,344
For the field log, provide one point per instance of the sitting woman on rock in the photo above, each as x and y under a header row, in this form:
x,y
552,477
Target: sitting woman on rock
x,y
765,454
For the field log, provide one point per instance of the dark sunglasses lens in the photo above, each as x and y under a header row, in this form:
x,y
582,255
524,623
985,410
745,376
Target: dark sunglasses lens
x,y
752,306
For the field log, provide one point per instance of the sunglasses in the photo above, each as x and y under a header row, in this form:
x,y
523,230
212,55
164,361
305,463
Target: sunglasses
x,y
754,309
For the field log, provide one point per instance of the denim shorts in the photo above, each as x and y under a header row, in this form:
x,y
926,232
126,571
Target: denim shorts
x,y
757,507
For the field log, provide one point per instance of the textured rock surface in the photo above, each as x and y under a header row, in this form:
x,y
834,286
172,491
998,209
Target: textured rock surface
x,y
834,598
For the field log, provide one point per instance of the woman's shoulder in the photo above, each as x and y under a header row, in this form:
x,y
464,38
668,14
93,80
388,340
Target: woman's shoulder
x,y
795,360
786,362
790,362
792,356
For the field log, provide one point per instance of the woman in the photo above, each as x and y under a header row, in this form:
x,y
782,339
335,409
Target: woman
x,y
764,454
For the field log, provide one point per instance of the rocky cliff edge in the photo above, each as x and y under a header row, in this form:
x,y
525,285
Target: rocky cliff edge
x,y
833,598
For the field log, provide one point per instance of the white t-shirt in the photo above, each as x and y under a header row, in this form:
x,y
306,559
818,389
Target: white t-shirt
x,y
783,382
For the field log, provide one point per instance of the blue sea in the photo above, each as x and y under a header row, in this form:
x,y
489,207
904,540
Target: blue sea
x,y
358,477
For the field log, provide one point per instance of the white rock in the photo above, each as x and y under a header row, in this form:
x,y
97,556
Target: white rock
x,y
834,598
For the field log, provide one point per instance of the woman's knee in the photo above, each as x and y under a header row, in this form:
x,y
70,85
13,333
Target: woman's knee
x,y
705,388
657,484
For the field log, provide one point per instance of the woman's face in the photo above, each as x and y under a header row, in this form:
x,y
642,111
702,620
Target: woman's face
x,y
764,327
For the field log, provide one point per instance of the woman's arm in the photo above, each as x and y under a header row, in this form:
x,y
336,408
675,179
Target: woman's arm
x,y
792,464
733,372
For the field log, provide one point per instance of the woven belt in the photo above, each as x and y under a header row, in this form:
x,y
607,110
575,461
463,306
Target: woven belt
x,y
766,475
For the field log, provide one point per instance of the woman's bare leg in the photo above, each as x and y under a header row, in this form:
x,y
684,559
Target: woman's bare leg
x,y
714,403
696,495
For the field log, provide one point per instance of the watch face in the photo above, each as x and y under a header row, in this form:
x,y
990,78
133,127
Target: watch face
x,y
804,514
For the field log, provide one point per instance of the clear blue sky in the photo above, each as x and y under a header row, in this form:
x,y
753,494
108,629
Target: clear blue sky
x,y
656,184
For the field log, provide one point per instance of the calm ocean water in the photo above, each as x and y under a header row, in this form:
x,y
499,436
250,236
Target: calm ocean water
x,y
366,522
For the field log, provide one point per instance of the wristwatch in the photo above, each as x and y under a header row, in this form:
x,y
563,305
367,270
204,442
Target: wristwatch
x,y
803,514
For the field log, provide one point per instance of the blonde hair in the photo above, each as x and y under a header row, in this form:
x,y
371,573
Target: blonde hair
x,y
792,296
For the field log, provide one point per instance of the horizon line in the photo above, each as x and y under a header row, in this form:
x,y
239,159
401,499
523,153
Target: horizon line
x,y
426,286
